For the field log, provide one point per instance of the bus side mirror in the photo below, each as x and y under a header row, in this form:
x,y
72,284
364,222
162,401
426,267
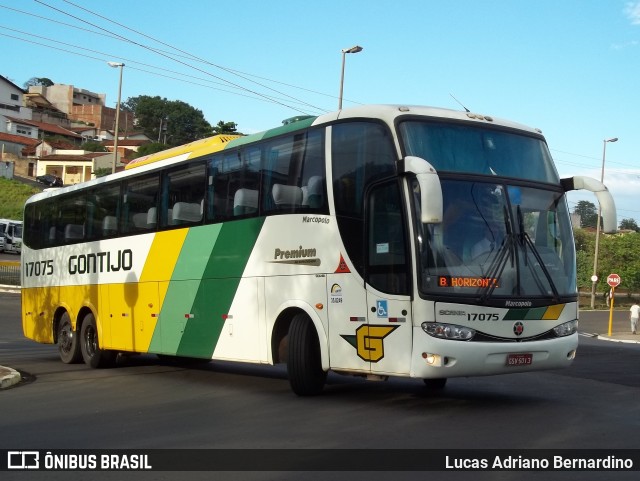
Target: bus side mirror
x,y
607,205
430,188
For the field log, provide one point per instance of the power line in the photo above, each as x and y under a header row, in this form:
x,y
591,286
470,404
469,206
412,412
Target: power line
x,y
598,159
163,54
228,70
260,98
105,33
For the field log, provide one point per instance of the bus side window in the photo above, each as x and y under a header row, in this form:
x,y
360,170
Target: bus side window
x,y
105,212
293,174
313,193
225,178
245,202
140,195
183,190
71,219
287,197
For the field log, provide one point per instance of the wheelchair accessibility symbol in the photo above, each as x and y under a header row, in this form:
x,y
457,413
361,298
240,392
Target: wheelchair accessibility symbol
x,y
381,307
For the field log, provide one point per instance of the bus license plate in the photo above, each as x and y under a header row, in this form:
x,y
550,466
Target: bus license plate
x,y
519,359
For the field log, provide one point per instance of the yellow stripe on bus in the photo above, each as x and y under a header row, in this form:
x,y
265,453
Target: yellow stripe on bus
x,y
163,255
151,289
553,312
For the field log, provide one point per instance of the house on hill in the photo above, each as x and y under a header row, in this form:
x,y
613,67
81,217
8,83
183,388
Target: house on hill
x,y
74,166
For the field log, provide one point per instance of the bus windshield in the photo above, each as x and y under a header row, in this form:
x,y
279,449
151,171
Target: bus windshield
x,y
464,148
497,240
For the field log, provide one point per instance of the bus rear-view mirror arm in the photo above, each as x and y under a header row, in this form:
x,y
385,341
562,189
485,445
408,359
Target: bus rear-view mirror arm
x,y
607,206
430,188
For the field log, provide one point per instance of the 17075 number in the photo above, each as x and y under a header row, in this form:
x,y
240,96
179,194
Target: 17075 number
x,y
38,268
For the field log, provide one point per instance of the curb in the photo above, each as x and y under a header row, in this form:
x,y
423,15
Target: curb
x,y
626,341
10,289
8,377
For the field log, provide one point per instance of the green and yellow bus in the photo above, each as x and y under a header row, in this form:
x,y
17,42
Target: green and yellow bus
x,y
376,241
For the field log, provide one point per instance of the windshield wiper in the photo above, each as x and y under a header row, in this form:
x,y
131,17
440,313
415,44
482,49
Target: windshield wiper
x,y
496,268
545,270
525,241
499,263
509,250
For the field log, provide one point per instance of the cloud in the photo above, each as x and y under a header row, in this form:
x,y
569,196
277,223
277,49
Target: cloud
x,y
632,11
622,46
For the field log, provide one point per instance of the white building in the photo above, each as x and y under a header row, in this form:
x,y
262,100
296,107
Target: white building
x,y
11,103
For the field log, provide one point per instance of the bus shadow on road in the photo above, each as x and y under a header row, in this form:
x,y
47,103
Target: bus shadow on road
x,y
490,391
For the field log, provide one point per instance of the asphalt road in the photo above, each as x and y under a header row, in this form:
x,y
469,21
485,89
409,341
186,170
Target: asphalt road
x,y
146,404
6,256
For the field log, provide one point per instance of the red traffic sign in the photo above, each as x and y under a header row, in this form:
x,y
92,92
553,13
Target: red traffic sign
x,y
614,280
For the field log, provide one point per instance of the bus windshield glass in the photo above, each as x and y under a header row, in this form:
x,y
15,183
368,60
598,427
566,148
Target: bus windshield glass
x,y
497,240
464,148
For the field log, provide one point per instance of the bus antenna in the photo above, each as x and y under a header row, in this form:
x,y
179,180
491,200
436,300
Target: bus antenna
x,y
466,109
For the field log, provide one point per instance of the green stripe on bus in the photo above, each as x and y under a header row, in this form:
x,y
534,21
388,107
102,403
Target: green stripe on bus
x,y
183,287
218,288
525,314
267,134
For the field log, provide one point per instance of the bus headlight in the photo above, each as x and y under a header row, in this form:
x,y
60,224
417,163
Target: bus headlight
x,y
566,329
448,331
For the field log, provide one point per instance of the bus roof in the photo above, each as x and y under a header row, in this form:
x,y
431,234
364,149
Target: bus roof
x,y
385,112
218,143
192,149
389,113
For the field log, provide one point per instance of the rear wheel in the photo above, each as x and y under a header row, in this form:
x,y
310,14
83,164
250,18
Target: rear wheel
x,y
89,345
304,364
68,345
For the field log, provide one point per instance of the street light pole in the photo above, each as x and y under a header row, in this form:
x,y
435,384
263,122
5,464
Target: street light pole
x,y
594,277
345,51
115,140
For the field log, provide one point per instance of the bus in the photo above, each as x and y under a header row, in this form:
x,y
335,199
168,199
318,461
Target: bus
x,y
376,241
11,232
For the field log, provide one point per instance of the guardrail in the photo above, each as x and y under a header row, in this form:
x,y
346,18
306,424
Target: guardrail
x,y
10,273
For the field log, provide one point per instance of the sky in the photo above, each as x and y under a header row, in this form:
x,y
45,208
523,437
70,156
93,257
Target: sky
x,y
570,68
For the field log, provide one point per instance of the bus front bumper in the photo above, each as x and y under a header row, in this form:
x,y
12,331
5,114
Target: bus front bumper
x,y
442,358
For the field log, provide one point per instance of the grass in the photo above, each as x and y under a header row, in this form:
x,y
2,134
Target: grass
x,y
13,195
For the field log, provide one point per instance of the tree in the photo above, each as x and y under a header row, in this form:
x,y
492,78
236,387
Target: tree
x,y
172,122
587,212
630,224
148,149
93,146
226,128
33,81
619,254
101,172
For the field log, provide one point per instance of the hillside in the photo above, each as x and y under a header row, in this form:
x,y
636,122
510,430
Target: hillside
x,y
13,195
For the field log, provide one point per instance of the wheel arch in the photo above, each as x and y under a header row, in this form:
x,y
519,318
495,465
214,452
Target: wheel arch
x,y
82,313
57,315
76,321
280,332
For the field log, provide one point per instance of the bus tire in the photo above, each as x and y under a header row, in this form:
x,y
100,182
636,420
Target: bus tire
x,y
67,339
89,345
434,384
304,365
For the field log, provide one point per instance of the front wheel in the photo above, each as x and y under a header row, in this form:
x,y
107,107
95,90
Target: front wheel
x,y
91,353
304,364
67,338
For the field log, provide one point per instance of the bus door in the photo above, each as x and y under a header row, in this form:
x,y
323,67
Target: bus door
x,y
348,327
371,328
389,339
